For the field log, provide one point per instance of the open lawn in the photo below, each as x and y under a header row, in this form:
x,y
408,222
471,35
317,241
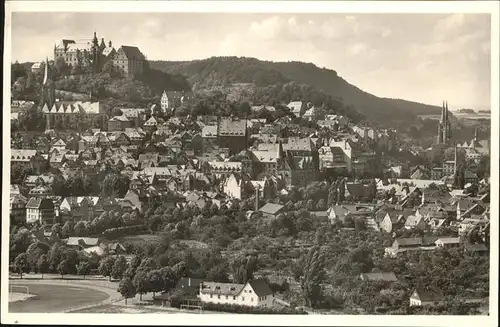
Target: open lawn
x,y
51,298
109,308
136,239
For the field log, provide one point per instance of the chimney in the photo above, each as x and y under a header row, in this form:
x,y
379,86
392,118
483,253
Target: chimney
x,y
257,198
110,44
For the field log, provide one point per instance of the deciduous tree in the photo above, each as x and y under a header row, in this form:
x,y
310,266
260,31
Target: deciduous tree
x,y
127,289
21,264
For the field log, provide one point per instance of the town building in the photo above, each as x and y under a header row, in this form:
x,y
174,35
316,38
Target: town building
x,y
431,296
129,60
40,210
17,208
232,134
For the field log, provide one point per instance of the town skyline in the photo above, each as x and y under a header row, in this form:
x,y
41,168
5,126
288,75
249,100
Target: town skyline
x,y
386,46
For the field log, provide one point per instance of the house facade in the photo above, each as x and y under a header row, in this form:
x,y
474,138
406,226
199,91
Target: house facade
x,y
40,210
254,293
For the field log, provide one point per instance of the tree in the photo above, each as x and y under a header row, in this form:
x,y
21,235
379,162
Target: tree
x,y
155,280
80,229
56,230
313,274
83,268
21,264
43,264
63,267
218,274
55,255
169,278
119,267
106,266
127,289
180,269
321,205
310,205
243,268
372,190
67,229
141,282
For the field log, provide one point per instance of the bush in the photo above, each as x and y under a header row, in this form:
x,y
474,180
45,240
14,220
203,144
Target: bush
x,y
247,310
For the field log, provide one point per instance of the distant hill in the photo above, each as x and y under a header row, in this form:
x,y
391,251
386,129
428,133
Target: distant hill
x,y
224,71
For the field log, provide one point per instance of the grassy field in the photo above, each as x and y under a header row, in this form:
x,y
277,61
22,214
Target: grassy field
x,y
109,308
50,298
140,238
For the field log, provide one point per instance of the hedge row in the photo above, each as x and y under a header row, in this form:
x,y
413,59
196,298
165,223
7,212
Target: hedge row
x,y
123,231
231,308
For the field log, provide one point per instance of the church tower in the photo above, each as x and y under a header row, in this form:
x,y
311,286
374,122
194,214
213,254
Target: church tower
x,y
444,126
48,90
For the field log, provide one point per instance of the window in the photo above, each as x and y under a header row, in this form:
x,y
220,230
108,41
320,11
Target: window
x,y
211,296
242,298
234,297
218,296
251,299
227,297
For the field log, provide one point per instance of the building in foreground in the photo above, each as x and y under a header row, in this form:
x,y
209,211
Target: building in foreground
x,y
254,293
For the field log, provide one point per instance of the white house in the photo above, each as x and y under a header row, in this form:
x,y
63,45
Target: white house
x,y
431,296
295,107
164,102
254,293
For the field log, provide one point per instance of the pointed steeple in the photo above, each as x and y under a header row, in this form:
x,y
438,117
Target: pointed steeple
x,y
446,111
455,168
46,72
443,113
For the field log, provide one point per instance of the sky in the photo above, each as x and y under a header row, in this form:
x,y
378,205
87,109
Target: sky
x,y
419,57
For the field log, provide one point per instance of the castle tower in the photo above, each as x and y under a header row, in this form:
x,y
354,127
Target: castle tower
x,y
95,52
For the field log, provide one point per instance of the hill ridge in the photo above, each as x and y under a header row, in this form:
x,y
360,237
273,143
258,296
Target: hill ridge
x,y
220,71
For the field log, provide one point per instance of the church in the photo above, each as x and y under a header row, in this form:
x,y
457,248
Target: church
x,y
59,114
444,126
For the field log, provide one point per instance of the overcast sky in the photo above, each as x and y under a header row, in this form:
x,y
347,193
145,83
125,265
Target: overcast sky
x,y
420,57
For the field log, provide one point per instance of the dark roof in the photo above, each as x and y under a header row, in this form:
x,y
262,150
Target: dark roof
x,y
429,294
132,53
476,247
409,241
429,240
356,190
260,287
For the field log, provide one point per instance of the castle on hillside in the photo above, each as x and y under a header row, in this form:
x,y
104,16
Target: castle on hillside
x,y
444,126
92,53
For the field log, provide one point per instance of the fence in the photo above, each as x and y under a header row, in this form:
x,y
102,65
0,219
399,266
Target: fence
x,y
25,289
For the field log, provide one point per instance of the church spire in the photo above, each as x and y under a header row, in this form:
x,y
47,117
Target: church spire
x,y
46,72
443,113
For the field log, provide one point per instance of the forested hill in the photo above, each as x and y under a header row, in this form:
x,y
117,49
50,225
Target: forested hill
x,y
223,71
